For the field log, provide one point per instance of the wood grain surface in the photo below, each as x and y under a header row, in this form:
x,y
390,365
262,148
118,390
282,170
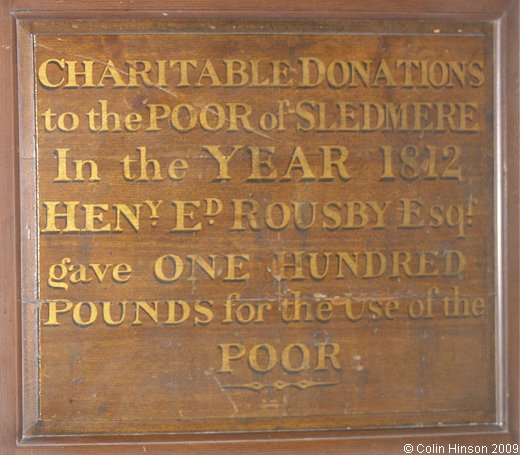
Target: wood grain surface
x,y
227,377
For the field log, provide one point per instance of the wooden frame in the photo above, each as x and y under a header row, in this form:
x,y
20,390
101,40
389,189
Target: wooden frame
x,y
504,15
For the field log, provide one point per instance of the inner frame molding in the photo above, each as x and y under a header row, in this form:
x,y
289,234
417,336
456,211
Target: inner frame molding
x,y
59,339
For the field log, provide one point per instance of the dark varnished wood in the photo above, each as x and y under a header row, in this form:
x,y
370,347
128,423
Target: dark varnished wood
x,y
287,442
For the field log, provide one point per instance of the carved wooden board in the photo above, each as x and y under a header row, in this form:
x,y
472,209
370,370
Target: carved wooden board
x,y
251,226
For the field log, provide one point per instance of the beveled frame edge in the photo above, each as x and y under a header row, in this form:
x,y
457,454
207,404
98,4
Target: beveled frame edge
x,y
507,44
28,234
29,29
509,134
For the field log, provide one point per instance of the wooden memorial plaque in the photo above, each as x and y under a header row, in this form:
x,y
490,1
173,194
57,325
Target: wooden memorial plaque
x,y
236,229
